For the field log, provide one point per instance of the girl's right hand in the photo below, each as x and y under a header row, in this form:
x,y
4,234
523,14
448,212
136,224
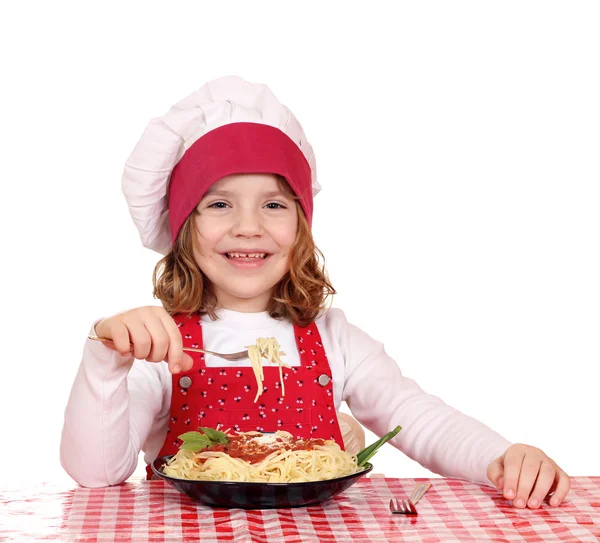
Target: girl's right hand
x,y
152,332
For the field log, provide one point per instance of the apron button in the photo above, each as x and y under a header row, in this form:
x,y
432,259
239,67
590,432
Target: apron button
x,y
185,382
323,380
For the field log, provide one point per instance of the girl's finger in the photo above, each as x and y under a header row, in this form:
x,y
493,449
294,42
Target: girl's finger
x,y
563,484
160,339
495,472
139,336
543,484
176,358
513,460
186,364
120,339
529,473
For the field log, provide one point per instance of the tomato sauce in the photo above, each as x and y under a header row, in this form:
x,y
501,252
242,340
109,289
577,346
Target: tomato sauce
x,y
255,448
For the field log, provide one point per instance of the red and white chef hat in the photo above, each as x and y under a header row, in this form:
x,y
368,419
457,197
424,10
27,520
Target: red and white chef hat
x,y
228,126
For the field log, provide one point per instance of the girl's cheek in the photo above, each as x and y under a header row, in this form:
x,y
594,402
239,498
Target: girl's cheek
x,y
285,235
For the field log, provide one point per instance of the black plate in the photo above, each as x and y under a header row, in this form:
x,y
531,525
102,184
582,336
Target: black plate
x,y
258,495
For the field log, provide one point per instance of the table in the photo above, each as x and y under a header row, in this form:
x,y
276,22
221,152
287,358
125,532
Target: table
x,y
143,511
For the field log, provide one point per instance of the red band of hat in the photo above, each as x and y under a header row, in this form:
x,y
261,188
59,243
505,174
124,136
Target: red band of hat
x,y
232,149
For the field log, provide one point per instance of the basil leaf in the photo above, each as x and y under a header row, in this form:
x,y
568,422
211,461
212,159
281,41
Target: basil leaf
x,y
195,441
215,435
189,436
203,439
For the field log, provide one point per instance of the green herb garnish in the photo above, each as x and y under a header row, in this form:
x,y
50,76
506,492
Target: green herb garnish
x,y
368,452
203,439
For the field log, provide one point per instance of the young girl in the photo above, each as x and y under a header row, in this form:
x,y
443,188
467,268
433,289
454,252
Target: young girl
x,y
223,186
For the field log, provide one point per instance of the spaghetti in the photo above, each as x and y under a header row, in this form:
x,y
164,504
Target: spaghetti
x,y
264,458
269,349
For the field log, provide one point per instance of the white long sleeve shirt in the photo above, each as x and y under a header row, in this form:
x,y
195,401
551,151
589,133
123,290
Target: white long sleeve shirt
x,y
119,406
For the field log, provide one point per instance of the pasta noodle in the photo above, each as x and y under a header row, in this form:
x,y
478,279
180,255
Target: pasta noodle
x,y
272,458
269,349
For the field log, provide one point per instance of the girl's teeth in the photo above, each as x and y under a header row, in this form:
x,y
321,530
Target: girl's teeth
x,y
245,255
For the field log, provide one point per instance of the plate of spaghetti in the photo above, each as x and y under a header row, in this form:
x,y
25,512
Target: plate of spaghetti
x,y
252,470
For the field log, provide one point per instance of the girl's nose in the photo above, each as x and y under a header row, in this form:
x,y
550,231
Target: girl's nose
x,y
247,224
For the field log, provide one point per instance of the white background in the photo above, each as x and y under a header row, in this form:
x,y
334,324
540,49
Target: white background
x,y
457,145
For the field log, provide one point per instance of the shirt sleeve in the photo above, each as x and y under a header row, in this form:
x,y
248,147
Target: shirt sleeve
x,y
439,437
112,407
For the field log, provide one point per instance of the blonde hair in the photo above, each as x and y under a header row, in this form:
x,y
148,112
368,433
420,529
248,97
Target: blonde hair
x,y
300,295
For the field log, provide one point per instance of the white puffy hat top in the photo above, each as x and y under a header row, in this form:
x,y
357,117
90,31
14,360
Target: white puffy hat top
x,y
227,126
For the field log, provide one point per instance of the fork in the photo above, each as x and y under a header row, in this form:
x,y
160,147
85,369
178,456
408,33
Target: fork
x,y
231,356
407,507
402,507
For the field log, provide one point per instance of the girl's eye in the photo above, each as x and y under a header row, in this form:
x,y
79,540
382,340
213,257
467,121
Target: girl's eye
x,y
218,205
275,205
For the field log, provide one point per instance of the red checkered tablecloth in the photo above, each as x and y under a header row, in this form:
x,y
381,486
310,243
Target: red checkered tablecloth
x,y
154,512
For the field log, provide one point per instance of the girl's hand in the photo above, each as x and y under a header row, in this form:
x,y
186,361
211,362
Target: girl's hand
x,y
153,333
527,476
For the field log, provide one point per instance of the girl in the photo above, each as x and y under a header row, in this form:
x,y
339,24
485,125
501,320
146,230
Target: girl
x,y
223,185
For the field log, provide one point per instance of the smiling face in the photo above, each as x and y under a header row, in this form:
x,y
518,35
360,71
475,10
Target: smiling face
x,y
245,228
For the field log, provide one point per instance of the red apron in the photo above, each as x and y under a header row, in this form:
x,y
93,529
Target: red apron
x,y
213,396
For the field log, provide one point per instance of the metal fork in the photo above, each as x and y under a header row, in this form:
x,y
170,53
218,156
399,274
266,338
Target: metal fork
x,y
402,507
231,356
407,507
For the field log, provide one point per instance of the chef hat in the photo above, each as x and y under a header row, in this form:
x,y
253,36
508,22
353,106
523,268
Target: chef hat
x,y
228,126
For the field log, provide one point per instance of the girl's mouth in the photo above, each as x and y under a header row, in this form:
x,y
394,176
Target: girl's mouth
x,y
246,261
246,256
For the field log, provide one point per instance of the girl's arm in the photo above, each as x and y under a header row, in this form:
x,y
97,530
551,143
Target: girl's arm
x,y
434,434
111,410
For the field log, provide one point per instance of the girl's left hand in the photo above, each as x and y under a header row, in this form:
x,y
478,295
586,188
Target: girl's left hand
x,y
526,475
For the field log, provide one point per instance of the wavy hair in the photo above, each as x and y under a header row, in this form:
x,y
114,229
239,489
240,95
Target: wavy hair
x,y
299,297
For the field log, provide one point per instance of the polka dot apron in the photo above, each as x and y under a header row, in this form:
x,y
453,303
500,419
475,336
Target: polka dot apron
x,y
212,396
